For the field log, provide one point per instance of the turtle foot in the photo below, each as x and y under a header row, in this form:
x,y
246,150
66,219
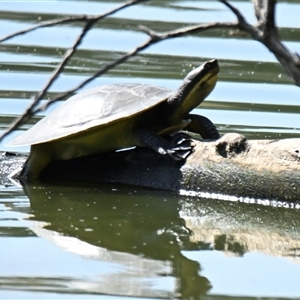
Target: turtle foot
x,y
180,146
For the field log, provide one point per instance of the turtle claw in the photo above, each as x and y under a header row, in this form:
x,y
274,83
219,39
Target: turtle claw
x,y
180,146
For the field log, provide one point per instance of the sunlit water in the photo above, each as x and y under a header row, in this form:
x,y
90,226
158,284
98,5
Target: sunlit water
x,y
108,242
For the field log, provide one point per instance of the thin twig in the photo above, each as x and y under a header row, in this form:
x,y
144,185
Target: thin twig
x,y
154,37
50,23
243,24
30,111
82,18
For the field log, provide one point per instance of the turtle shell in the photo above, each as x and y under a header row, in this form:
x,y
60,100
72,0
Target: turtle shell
x,y
94,107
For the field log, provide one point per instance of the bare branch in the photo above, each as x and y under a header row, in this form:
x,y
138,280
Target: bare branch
x,y
189,29
240,17
243,24
270,14
265,12
64,20
154,38
45,24
258,7
30,111
267,33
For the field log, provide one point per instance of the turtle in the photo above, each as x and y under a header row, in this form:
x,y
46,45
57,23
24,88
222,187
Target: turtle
x,y
117,116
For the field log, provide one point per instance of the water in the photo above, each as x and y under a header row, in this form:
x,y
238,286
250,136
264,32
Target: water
x,y
112,241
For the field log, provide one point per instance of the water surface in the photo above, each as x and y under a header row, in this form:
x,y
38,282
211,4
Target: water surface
x,y
110,241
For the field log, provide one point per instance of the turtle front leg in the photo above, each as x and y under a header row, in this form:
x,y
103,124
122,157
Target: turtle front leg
x,y
178,146
203,126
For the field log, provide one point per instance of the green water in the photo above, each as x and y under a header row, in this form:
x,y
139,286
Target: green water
x,y
112,241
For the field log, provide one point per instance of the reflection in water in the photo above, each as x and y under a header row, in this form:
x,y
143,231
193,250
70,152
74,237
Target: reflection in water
x,y
238,228
145,234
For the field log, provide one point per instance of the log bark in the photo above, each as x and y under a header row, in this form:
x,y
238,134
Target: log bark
x,y
232,167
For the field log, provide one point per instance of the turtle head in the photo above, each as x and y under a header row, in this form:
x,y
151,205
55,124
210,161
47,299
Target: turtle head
x,y
196,86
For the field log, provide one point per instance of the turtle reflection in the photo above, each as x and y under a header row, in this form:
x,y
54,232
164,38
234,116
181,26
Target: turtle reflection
x,y
125,229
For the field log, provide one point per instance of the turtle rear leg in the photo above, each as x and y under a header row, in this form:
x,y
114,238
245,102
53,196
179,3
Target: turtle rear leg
x,y
204,126
36,162
177,146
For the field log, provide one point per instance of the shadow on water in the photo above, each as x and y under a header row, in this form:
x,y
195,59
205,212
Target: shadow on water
x,y
146,232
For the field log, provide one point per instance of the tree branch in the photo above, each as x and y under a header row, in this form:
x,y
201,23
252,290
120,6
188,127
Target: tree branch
x,y
64,20
154,37
270,14
45,24
266,32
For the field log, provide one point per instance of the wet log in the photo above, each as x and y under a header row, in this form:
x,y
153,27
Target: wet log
x,y
231,167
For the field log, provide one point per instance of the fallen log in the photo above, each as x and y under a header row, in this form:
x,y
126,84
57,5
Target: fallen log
x,y
229,167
